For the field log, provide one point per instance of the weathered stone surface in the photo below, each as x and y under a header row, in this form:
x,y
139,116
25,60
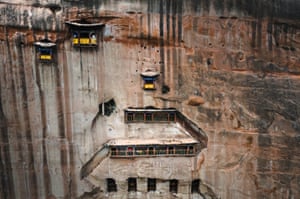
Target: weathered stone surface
x,y
195,100
241,56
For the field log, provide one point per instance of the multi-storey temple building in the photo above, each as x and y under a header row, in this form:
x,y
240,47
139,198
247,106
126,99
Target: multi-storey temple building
x,y
149,99
159,158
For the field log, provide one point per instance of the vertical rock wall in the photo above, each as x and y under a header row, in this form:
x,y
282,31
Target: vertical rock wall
x,y
241,57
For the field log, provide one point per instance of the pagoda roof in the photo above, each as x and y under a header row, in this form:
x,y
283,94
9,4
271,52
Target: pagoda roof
x,y
45,44
84,25
150,74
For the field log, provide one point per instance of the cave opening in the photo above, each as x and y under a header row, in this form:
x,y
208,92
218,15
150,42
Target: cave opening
x,y
107,108
111,185
173,186
131,184
165,89
195,186
151,185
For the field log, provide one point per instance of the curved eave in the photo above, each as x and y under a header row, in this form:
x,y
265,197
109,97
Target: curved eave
x,y
45,44
149,110
150,74
141,142
84,25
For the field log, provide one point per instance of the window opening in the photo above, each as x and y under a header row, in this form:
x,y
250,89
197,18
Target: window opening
x,y
111,185
122,151
75,38
139,117
140,150
45,54
180,150
171,150
148,117
75,35
84,34
129,117
149,85
131,184
151,151
84,38
173,186
195,186
46,51
172,117
129,150
113,151
151,184
160,117
93,38
190,150
161,150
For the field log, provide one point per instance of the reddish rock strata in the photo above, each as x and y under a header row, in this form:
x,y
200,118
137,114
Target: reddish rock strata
x,y
231,67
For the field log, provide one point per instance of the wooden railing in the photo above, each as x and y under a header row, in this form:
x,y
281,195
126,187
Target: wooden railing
x,y
166,116
152,150
150,116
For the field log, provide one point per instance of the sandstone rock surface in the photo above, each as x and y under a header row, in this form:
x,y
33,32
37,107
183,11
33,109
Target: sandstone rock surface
x,y
242,57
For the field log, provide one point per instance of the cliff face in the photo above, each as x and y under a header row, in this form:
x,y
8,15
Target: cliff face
x,y
238,58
